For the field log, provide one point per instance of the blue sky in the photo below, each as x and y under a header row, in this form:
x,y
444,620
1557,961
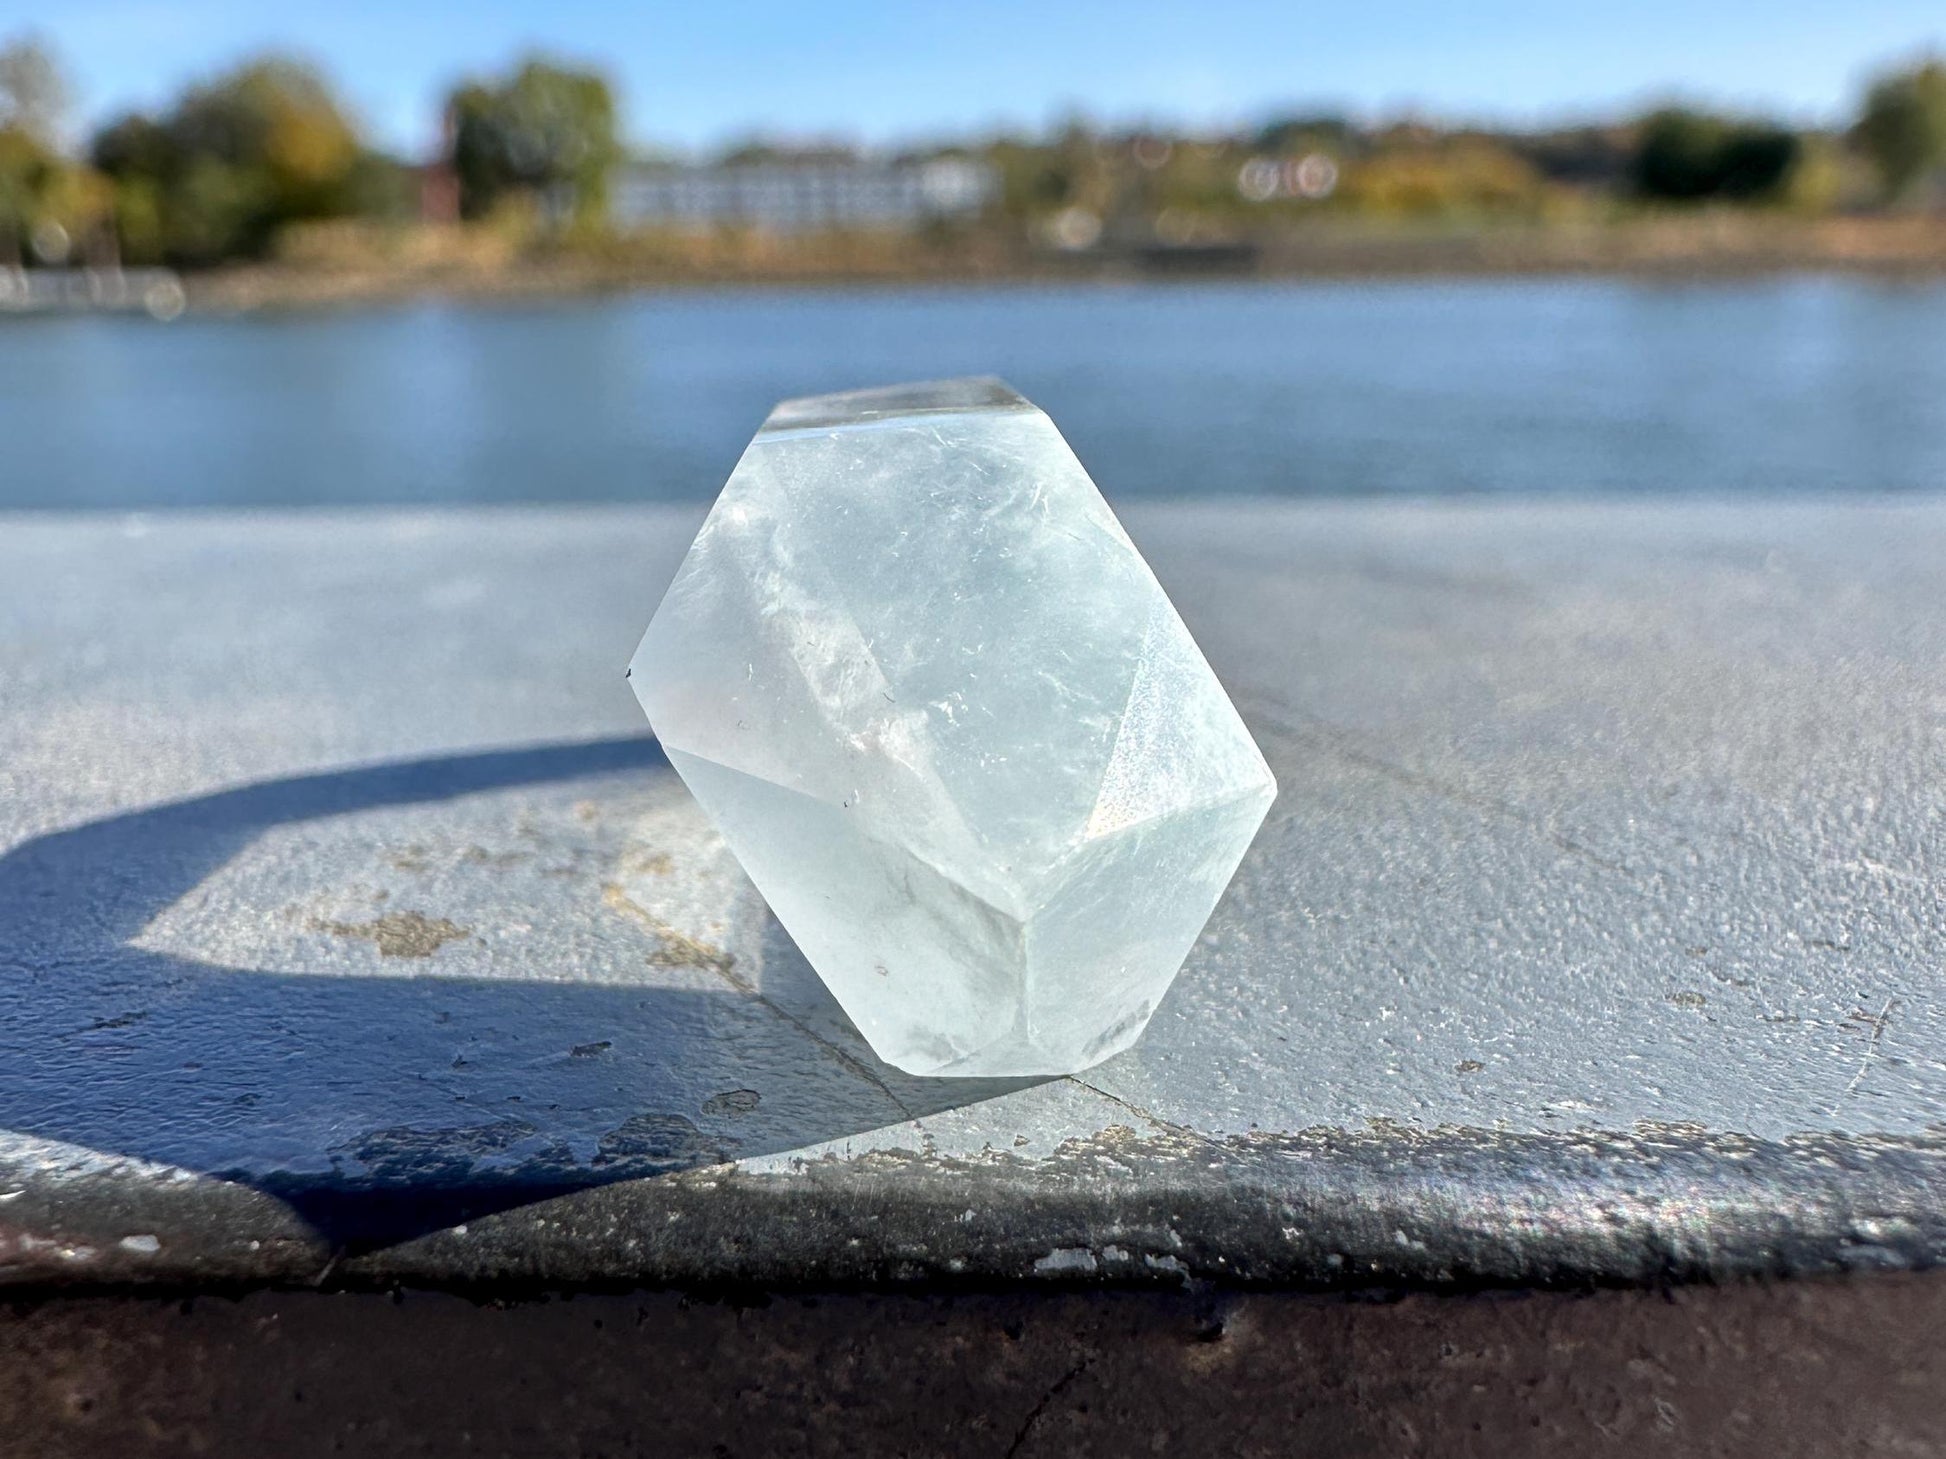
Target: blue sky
x,y
693,75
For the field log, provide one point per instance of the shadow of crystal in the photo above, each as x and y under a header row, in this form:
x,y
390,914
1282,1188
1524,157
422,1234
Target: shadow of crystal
x,y
401,995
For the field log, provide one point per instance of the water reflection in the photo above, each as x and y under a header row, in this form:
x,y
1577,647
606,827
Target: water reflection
x,y
1537,386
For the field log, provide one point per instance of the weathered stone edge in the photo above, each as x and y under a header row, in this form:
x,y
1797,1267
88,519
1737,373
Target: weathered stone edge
x,y
1393,1207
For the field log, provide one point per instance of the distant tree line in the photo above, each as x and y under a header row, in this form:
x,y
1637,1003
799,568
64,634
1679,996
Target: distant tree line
x,y
235,159
1903,127
238,157
1686,156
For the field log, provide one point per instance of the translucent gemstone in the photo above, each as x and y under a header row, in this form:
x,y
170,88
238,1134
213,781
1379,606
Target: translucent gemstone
x,y
952,727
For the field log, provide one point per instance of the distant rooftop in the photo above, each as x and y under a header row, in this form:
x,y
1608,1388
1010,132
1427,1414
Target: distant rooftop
x,y
795,197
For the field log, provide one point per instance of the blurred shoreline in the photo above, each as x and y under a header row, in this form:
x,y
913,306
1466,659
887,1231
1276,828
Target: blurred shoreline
x,y
346,264
259,187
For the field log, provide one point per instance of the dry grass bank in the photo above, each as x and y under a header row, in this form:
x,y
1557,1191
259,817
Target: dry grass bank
x,y
361,263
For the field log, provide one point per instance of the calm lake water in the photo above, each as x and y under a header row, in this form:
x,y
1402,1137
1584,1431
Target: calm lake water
x,y
1535,386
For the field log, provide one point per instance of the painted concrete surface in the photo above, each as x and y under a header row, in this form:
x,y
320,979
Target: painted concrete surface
x,y
351,923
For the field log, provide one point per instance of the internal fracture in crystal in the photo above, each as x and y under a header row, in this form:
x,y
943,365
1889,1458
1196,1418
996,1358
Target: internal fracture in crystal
x,y
952,727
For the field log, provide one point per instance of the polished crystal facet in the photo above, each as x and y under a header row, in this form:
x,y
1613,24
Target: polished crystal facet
x,y
952,727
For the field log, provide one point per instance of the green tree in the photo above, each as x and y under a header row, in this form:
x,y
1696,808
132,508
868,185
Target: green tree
x,y
547,129
33,93
1687,156
276,121
1323,131
234,160
33,98
25,170
1903,126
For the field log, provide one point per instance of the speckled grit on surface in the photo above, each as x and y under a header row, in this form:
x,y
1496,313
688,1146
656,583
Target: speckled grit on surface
x,y
1608,849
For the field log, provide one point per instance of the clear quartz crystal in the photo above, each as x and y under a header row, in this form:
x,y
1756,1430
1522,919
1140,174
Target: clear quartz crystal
x,y
952,727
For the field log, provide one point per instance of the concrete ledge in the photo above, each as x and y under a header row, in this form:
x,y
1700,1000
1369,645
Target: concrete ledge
x,y
351,930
